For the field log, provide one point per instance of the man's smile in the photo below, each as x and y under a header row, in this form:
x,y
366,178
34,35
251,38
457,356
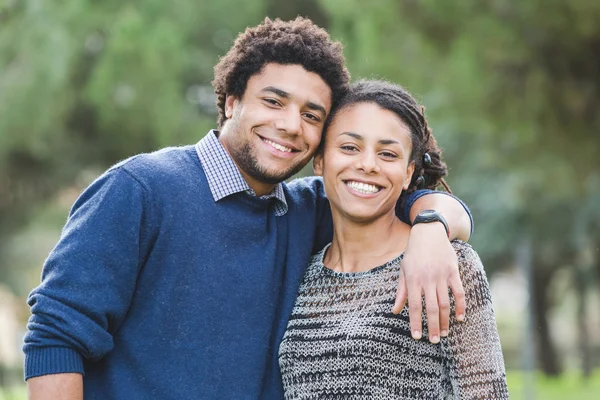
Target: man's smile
x,y
279,148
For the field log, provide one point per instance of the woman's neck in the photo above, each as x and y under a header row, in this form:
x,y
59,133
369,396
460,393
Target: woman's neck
x,y
360,247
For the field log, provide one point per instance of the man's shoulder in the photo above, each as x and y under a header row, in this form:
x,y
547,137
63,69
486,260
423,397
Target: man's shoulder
x,y
164,164
305,189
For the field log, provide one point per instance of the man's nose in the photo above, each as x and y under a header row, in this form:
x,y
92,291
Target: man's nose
x,y
290,122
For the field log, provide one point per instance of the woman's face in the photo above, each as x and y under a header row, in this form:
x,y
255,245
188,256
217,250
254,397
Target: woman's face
x,y
365,162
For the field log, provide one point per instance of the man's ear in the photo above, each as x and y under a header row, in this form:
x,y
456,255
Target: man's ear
x,y
230,103
318,163
409,173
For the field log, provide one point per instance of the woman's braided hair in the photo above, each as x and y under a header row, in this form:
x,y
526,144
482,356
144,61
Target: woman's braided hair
x,y
427,156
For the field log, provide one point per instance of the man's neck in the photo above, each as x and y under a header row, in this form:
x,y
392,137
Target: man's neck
x,y
359,247
259,188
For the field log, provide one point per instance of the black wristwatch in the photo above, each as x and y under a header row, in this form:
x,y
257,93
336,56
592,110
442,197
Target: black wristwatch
x,y
427,216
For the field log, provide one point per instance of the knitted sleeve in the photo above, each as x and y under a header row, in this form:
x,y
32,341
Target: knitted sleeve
x,y
88,278
477,368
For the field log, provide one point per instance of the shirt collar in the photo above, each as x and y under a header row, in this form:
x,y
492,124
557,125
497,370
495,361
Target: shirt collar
x,y
223,176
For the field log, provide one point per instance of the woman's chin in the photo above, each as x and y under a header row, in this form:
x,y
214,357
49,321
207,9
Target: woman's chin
x,y
364,215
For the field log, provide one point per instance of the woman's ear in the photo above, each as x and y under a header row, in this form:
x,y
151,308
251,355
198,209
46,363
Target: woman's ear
x,y
409,173
318,163
230,103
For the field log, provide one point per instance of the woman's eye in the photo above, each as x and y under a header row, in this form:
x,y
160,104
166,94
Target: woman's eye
x,y
387,154
348,148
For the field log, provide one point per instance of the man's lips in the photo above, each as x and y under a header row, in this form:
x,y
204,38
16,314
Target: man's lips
x,y
280,145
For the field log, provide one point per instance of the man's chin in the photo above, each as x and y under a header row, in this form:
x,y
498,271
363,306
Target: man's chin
x,y
273,177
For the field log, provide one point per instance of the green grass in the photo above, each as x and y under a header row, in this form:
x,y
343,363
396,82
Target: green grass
x,y
17,393
570,386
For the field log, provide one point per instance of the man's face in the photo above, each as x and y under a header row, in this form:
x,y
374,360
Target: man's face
x,y
275,128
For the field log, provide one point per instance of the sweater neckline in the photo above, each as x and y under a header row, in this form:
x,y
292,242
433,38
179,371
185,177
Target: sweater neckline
x,y
353,275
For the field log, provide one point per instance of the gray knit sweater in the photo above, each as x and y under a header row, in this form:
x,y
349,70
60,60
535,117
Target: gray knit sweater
x,y
343,342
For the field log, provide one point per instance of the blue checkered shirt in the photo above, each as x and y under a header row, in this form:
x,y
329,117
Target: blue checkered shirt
x,y
224,177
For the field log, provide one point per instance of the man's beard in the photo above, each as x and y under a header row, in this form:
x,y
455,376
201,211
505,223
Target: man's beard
x,y
245,158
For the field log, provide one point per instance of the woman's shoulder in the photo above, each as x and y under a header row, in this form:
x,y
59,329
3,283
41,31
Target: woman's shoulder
x,y
315,264
470,267
465,253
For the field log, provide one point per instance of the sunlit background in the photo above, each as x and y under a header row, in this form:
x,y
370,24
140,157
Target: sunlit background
x,y
512,90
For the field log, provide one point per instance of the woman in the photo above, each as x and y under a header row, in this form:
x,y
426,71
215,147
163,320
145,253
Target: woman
x,y
342,340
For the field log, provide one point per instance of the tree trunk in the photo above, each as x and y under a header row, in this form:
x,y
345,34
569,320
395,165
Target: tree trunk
x,y
547,355
581,288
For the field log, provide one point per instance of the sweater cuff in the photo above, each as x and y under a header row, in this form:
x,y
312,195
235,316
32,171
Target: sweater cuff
x,y
52,360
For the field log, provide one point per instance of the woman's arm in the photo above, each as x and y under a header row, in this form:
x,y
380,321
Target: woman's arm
x,y
430,266
474,345
455,211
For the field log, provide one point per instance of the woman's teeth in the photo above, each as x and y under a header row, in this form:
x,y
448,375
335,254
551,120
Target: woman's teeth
x,y
278,146
363,187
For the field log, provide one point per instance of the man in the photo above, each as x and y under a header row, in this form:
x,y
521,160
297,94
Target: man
x,y
177,270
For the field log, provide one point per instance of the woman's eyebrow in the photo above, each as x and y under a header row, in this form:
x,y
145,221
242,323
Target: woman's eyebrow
x,y
359,137
354,135
388,141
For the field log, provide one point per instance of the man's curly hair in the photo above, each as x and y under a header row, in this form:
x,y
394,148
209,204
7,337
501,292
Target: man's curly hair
x,y
298,42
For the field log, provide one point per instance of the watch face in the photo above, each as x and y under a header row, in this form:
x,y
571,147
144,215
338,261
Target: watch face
x,y
427,216
428,213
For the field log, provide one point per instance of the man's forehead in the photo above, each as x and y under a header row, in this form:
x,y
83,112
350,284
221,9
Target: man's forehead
x,y
294,80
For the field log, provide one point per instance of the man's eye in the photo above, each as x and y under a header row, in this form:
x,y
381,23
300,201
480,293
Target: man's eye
x,y
312,117
273,102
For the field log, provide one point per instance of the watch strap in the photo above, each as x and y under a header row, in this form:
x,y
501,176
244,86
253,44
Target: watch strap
x,y
427,216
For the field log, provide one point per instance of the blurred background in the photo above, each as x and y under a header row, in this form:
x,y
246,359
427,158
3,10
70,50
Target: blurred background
x,y
512,90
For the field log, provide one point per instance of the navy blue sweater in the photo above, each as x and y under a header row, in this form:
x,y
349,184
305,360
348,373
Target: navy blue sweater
x,y
156,291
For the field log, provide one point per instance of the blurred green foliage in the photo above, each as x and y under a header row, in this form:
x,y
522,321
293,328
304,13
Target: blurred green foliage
x,y
512,91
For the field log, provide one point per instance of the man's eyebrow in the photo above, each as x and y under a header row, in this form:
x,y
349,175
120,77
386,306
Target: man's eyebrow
x,y
286,95
316,107
278,92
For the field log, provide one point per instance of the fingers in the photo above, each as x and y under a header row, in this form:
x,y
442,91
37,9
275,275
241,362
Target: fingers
x,y
415,311
401,295
460,305
444,304
433,314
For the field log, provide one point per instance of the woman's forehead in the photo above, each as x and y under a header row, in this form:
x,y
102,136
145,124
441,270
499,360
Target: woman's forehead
x,y
370,121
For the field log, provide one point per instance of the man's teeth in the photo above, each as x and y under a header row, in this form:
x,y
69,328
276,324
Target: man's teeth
x,y
363,187
278,146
